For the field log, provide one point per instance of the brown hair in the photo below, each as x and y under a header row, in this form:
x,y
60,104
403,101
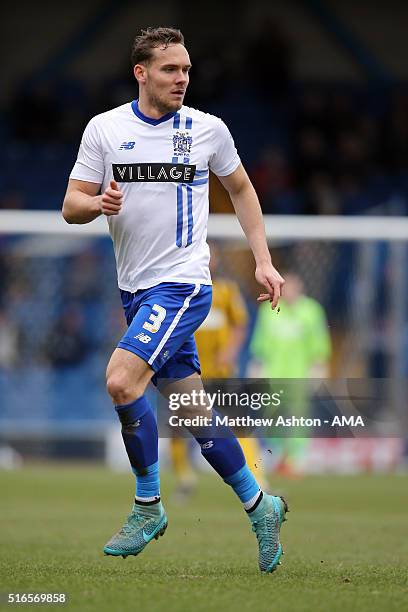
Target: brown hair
x,y
143,45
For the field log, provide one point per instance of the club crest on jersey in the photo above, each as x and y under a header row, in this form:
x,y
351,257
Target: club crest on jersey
x,y
182,143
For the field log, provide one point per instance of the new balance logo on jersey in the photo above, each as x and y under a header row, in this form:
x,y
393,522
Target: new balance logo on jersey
x,y
154,173
143,337
127,145
207,445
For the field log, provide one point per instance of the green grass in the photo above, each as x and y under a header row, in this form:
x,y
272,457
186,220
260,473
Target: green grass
x,y
345,540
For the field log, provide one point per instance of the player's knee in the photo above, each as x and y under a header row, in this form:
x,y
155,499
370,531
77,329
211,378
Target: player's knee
x,y
117,386
122,389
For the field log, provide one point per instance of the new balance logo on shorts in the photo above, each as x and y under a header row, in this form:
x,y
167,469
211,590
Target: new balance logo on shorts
x,y
207,445
127,145
143,337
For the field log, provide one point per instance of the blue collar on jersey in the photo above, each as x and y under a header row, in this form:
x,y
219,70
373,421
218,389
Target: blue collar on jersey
x,y
138,113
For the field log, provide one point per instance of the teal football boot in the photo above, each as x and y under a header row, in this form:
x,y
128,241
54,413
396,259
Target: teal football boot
x,y
266,521
142,525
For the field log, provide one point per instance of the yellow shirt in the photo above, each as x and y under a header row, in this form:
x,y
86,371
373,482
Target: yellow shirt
x,y
227,311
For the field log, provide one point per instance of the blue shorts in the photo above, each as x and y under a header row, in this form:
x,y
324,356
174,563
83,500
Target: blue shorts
x,y
162,320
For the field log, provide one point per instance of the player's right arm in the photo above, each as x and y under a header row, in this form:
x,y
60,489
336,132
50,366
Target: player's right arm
x,y
83,203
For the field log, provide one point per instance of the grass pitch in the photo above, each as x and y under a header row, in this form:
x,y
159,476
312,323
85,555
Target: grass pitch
x,y
345,540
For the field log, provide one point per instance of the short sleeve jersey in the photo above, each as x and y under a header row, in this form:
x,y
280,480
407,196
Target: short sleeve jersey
x,y
162,167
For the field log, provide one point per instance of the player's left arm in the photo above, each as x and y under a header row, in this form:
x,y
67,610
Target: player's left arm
x,y
249,213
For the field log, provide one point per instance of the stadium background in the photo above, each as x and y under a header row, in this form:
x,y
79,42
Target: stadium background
x,y
316,96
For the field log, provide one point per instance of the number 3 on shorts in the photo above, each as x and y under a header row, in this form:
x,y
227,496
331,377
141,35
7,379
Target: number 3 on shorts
x,y
156,319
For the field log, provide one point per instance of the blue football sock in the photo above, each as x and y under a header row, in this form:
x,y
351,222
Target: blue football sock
x,y
148,484
139,433
245,486
225,455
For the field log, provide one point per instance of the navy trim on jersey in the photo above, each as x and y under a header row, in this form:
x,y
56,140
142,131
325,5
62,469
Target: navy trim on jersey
x,y
189,123
138,113
176,121
201,172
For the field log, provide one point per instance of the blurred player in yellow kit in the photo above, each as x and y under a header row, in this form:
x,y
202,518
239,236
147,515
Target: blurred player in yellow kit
x,y
219,340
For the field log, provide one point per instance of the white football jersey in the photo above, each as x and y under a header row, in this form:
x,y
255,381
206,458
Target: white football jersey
x,y
162,167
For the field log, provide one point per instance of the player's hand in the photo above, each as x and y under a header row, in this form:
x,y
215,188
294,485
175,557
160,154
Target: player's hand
x,y
269,277
111,200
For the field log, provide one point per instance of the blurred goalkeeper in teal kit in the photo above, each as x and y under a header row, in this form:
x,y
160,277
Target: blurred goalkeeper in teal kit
x,y
145,166
294,345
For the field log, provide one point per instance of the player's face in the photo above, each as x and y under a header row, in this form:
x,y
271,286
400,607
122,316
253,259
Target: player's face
x,y
167,78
